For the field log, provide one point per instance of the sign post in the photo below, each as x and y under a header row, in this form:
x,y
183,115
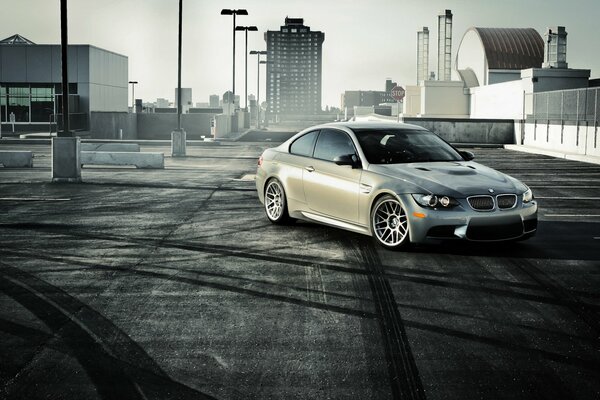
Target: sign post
x,y
398,93
11,117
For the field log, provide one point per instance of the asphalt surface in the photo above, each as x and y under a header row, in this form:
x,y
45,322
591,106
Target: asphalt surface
x,y
172,284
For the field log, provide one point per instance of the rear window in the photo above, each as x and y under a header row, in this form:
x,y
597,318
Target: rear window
x,y
303,146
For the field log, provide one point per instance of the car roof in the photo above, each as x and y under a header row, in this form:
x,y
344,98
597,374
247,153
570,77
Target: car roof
x,y
373,125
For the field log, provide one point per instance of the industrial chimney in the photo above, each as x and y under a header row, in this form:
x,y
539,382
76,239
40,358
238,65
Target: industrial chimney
x,y
444,45
555,48
422,54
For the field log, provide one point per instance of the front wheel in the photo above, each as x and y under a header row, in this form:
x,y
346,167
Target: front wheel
x,y
389,223
276,202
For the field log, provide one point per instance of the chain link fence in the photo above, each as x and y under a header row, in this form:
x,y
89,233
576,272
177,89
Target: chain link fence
x,y
575,105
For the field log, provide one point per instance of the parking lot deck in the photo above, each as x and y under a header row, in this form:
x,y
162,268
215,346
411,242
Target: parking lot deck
x,y
172,284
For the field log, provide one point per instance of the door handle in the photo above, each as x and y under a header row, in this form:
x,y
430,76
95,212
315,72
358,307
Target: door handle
x,y
309,169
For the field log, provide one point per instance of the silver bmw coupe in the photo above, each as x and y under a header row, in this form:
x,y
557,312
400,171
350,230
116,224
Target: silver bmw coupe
x,y
396,182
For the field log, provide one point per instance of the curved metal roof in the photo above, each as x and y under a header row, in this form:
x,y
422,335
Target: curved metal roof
x,y
512,48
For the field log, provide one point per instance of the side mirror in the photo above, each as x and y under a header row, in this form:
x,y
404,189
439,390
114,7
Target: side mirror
x,y
467,155
347,159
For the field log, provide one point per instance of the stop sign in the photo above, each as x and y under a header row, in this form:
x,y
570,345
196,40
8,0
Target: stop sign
x,y
398,93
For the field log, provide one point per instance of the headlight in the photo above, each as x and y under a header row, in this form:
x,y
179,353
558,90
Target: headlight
x,y
435,201
527,196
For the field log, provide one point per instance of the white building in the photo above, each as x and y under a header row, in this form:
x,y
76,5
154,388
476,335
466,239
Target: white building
x,y
497,70
186,99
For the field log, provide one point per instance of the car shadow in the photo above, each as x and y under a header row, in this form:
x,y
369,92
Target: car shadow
x,y
554,240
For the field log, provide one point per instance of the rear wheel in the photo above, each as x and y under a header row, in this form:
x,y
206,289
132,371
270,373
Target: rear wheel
x,y
276,202
389,223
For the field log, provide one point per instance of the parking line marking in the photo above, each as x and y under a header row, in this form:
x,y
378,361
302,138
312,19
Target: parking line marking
x,y
566,198
571,215
31,199
563,187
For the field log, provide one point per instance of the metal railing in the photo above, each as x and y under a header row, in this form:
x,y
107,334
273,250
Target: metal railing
x,y
573,105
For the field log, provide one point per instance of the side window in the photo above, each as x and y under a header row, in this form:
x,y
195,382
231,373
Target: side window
x,y
333,143
303,146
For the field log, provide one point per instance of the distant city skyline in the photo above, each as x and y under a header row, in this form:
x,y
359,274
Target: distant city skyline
x,y
365,42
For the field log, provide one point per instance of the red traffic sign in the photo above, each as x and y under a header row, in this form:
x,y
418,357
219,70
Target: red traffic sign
x,y
398,93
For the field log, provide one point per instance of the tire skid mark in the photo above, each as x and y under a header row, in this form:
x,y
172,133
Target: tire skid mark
x,y
117,365
151,273
224,250
565,297
404,375
315,290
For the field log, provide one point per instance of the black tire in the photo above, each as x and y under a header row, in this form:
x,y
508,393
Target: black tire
x,y
389,223
276,202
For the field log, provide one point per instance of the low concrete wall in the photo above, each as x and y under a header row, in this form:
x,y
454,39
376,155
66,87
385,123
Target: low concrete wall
x,y
140,160
119,147
582,138
223,126
487,131
16,159
106,125
160,126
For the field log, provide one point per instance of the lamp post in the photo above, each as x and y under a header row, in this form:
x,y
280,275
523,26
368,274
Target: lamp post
x,y
258,62
226,11
133,83
246,29
66,165
178,137
65,74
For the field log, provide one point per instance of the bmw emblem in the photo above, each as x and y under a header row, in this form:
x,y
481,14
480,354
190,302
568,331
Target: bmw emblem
x,y
491,190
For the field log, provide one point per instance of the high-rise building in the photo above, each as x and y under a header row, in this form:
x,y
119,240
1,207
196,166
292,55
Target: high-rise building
x,y
294,69
444,45
213,100
422,54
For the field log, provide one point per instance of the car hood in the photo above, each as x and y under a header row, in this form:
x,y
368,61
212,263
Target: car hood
x,y
456,178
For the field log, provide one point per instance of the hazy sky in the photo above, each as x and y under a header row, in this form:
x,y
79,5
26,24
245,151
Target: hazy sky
x,y
366,41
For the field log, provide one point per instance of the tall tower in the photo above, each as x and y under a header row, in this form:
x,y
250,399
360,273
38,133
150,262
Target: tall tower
x,y
422,54
444,45
294,69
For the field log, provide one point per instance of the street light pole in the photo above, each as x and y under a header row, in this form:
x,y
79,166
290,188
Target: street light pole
x,y
226,11
65,73
246,29
179,70
258,62
133,83
66,147
178,136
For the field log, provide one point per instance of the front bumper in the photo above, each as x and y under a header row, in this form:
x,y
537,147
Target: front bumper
x,y
462,222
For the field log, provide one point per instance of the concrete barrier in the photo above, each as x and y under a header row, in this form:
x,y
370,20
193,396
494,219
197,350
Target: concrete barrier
x,y
117,147
140,160
16,159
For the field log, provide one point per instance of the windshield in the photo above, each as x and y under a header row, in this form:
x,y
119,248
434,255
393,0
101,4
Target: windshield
x,y
396,146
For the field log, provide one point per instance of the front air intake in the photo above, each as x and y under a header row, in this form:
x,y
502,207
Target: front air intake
x,y
506,201
481,203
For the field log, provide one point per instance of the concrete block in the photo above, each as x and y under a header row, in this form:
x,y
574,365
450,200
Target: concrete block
x,y
178,143
115,147
66,166
140,160
16,159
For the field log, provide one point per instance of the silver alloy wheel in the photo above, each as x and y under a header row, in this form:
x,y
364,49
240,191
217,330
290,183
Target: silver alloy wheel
x,y
390,224
274,200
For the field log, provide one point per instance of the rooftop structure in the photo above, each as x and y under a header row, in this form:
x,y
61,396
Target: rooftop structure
x,y
492,55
